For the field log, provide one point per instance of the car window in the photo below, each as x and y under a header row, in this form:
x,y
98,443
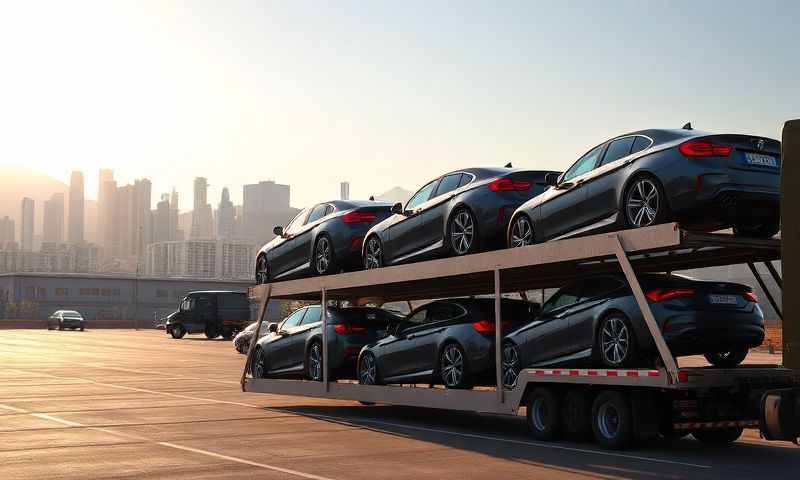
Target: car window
x,y
640,143
418,317
617,149
421,196
317,213
465,179
448,184
187,304
313,314
296,222
600,287
585,164
446,311
566,296
329,209
293,320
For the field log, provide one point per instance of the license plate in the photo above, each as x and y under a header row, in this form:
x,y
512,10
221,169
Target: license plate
x,y
760,159
723,299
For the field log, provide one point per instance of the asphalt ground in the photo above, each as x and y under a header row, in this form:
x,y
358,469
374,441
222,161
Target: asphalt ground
x,y
137,404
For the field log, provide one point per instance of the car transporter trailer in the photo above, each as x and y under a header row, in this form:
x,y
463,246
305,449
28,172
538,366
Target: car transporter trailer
x,y
616,405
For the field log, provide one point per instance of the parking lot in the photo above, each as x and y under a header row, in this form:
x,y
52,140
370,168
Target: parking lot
x,y
136,404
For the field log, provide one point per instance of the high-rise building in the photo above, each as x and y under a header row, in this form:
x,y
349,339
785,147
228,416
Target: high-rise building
x,y
142,221
226,216
123,222
165,221
106,189
75,233
200,259
265,204
344,189
202,214
53,227
7,232
26,227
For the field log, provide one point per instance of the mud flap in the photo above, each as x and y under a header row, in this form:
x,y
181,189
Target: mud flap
x,y
780,415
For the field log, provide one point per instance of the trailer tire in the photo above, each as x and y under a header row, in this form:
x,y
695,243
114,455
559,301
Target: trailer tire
x,y
544,415
720,436
612,420
577,415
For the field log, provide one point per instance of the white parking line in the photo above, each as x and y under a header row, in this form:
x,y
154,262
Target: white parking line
x,y
414,427
176,446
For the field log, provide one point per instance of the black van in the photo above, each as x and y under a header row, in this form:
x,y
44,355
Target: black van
x,y
213,312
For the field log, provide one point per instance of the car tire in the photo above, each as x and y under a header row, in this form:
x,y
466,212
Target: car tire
x,y
81,329
644,203
615,342
262,270
576,412
721,436
544,414
260,367
612,420
178,331
227,333
768,229
373,253
324,261
511,365
314,367
462,233
453,367
212,332
521,232
60,325
729,359
368,370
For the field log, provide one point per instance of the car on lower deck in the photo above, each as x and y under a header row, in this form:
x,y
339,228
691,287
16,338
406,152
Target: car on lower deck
x,y
320,240
596,322
63,319
701,180
461,212
293,347
449,341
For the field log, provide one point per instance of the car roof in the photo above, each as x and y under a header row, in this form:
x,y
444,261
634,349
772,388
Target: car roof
x,y
215,292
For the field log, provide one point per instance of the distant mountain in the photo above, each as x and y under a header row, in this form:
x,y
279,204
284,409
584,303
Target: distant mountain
x,y
19,182
395,195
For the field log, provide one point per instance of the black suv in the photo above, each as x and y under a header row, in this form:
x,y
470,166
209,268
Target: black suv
x,y
214,312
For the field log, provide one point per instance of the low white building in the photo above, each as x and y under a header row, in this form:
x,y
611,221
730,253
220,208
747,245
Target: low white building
x,y
223,259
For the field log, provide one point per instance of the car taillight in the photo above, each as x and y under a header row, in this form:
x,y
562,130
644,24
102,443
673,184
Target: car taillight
x,y
704,148
661,294
751,297
359,217
508,185
345,328
487,326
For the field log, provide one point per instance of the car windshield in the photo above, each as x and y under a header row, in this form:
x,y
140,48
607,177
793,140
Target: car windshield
x,y
71,315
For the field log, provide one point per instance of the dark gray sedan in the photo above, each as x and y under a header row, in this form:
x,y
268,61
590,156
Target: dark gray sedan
x,y
704,181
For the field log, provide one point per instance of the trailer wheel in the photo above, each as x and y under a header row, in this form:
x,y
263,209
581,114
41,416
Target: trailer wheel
x,y
612,421
720,436
577,414
544,416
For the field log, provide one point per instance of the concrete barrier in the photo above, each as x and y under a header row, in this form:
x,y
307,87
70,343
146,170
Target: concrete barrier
x,y
7,324
790,235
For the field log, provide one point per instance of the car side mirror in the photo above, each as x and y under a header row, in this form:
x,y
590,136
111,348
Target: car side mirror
x,y
551,179
536,309
272,328
397,208
278,230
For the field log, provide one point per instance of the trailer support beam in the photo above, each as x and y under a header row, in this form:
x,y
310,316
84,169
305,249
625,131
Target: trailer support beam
x,y
324,311
764,288
498,337
790,239
262,312
649,318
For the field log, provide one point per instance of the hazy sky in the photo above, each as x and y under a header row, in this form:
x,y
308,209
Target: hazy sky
x,y
377,93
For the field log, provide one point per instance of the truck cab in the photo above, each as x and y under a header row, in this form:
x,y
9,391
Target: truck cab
x,y
214,313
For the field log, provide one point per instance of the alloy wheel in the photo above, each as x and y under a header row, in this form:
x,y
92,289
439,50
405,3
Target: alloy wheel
x,y
260,365
323,255
462,232
367,374
452,366
374,258
510,365
315,362
614,341
521,232
262,270
642,204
